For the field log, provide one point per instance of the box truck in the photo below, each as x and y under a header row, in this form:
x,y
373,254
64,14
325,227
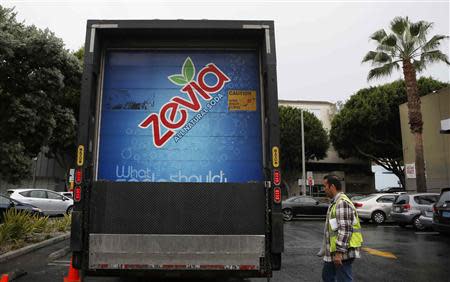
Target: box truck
x,y
177,167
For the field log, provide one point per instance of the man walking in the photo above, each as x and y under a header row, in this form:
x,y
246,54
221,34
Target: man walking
x,y
343,236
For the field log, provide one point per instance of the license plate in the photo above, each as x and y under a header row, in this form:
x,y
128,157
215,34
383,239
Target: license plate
x,y
429,214
446,214
397,209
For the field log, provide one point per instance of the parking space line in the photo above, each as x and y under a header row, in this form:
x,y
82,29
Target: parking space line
x,y
379,253
427,233
59,264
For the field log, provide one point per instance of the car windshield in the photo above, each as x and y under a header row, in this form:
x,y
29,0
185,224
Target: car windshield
x,y
402,200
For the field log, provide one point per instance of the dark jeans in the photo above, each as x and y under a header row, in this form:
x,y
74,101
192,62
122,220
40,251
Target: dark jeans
x,y
332,273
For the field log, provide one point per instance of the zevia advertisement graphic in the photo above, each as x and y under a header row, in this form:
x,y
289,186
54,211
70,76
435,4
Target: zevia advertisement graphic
x,y
181,116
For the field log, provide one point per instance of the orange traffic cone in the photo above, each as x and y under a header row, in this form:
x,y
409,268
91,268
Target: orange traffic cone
x,y
73,274
5,278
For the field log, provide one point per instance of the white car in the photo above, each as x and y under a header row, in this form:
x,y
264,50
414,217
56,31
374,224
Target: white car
x,y
50,202
375,207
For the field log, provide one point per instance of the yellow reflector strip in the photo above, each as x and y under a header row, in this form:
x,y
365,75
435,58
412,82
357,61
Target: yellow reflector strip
x,y
276,156
80,155
379,253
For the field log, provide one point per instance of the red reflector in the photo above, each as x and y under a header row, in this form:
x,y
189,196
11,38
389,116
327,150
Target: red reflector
x,y
78,176
276,177
277,195
358,205
77,194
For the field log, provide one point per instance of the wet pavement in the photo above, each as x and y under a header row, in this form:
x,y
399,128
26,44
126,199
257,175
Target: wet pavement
x,y
391,253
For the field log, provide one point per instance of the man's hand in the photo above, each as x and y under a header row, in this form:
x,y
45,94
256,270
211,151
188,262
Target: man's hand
x,y
337,259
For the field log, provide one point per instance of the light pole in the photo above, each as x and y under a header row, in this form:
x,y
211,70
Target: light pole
x,y
303,157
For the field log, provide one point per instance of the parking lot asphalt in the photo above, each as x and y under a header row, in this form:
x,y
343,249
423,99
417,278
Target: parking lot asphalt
x,y
391,253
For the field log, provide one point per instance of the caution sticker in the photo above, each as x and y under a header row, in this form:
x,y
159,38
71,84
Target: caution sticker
x,y
80,155
242,100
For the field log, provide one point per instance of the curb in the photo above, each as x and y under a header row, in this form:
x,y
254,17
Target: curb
x,y
31,248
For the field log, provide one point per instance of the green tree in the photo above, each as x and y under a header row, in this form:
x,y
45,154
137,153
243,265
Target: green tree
x,y
316,138
368,125
407,44
38,79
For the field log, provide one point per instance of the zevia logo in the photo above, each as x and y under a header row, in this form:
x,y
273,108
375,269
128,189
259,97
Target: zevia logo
x,y
173,115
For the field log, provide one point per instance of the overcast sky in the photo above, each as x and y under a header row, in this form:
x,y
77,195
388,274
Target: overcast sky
x,y
319,44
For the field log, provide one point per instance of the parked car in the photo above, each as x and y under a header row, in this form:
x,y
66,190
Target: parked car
x,y
67,194
376,207
408,208
50,202
441,216
6,203
303,206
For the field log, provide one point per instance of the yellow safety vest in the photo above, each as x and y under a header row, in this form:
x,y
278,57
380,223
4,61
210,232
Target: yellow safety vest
x,y
356,238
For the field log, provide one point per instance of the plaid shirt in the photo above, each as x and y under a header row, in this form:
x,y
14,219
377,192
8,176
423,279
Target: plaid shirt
x,y
345,215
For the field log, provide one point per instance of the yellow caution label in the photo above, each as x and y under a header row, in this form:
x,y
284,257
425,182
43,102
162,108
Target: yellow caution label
x,y
80,155
275,156
242,100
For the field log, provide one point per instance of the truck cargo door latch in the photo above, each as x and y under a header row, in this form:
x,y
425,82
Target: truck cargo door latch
x,y
267,184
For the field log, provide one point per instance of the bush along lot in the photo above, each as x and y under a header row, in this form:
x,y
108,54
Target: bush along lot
x,y
20,229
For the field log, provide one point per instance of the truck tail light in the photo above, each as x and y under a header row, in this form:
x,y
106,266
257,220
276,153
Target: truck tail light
x,y
276,177
358,205
277,195
406,206
77,193
78,176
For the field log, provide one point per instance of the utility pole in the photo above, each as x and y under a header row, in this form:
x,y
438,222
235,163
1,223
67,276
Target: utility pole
x,y
303,157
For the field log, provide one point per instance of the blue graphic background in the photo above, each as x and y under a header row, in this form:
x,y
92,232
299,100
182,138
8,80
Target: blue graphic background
x,y
224,146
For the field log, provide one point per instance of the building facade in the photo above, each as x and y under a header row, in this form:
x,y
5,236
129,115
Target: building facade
x,y
356,174
436,141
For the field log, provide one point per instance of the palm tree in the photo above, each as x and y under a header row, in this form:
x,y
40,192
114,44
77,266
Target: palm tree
x,y
407,44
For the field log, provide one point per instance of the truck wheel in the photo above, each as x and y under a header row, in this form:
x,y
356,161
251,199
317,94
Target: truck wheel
x,y
276,261
287,214
378,217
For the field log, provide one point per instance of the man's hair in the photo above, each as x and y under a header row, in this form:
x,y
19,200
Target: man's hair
x,y
333,180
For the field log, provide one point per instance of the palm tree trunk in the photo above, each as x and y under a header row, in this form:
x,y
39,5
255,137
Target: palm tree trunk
x,y
415,122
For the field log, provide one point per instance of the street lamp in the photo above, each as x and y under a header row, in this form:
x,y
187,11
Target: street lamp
x,y
303,156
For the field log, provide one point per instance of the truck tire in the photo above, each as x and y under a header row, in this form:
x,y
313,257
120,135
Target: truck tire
x,y
276,261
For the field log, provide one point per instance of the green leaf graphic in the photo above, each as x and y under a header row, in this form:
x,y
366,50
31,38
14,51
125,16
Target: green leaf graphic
x,y
178,79
188,70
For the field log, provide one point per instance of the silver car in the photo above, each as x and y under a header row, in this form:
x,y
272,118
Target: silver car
x,y
50,202
408,208
375,207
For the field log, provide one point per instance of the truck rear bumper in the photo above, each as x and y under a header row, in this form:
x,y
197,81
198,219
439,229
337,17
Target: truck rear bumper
x,y
176,252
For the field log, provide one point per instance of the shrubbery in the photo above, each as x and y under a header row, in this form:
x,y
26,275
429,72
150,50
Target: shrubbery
x,y
20,227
